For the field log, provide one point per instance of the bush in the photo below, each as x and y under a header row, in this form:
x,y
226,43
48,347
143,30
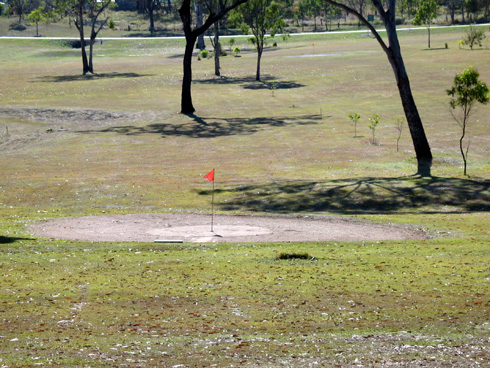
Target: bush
x,y
204,54
474,36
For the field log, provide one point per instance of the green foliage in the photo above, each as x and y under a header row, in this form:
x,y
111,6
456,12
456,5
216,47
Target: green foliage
x,y
231,42
373,123
37,16
259,17
204,54
236,50
111,25
467,90
355,118
425,14
474,36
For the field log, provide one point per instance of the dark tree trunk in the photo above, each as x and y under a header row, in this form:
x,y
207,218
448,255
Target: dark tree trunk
x,y
186,102
419,139
200,39
79,24
152,18
217,50
259,57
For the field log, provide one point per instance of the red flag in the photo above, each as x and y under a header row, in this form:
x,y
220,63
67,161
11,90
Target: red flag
x,y
210,175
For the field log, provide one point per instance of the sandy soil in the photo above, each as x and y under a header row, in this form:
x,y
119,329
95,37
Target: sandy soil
x,y
197,228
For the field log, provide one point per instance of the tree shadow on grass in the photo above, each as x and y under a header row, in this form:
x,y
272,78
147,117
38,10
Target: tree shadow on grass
x,y
79,77
250,82
200,127
362,196
10,240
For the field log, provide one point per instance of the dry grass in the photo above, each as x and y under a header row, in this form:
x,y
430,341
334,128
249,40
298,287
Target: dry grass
x,y
115,143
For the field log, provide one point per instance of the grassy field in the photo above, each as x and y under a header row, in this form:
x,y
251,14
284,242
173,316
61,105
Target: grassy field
x,y
115,143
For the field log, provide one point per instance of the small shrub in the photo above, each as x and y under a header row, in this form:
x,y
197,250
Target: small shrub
x,y
204,54
474,37
286,256
236,50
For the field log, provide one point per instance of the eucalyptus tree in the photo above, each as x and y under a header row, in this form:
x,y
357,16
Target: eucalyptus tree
x,y
216,10
81,11
260,17
386,11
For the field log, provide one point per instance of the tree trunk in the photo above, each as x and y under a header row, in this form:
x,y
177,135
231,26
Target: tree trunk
x,y
461,147
79,25
259,56
200,39
421,145
152,20
428,30
217,50
186,101
419,139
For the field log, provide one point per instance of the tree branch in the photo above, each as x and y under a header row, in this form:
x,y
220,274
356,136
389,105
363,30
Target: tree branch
x,y
359,16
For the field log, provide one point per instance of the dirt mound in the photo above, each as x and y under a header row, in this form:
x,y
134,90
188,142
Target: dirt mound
x,y
197,228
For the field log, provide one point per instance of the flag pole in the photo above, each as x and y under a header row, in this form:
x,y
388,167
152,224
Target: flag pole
x,y
212,208
210,177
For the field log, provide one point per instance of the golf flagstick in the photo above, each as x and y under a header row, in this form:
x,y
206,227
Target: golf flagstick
x,y
210,177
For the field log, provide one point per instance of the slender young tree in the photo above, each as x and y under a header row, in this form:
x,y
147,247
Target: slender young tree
x,y
467,90
191,34
36,16
425,14
260,17
393,52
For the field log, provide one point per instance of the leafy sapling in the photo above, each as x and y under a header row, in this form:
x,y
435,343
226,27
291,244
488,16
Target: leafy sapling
x,y
373,123
467,90
355,118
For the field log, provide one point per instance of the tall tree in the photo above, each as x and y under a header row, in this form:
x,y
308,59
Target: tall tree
x,y
191,34
426,12
260,17
466,91
79,9
393,52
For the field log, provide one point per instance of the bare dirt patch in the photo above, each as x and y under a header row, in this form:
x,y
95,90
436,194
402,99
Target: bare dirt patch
x,y
197,228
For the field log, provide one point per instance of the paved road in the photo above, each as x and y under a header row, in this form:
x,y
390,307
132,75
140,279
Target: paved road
x,y
237,36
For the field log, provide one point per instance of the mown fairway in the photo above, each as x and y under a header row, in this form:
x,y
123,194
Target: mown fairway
x,y
115,143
